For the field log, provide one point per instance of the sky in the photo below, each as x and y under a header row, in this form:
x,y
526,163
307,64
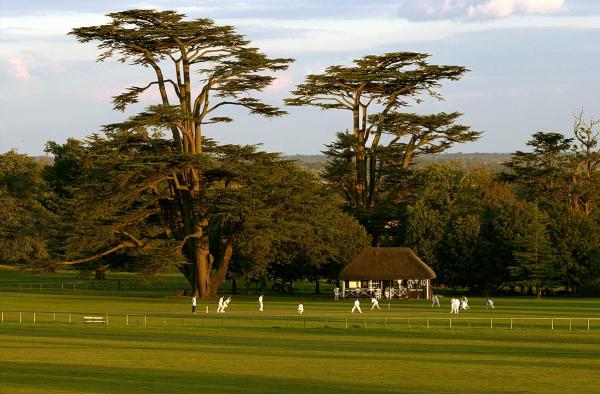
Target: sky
x,y
533,64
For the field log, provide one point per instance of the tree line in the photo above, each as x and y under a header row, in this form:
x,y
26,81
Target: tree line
x,y
153,192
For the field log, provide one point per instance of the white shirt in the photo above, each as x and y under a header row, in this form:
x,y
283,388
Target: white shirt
x,y
194,301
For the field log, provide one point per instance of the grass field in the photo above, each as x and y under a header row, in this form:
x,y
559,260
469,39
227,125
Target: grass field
x,y
246,351
181,357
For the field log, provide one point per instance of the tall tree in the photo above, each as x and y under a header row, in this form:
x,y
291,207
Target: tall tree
x,y
534,256
372,91
24,217
211,67
462,223
543,173
562,175
261,211
586,174
576,237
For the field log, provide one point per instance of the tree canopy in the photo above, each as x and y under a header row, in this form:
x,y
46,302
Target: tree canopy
x,y
24,218
387,83
200,68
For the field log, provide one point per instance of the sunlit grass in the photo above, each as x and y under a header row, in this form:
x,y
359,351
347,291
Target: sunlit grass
x,y
244,350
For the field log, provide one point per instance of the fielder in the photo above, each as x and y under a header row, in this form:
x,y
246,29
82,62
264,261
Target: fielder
x,y
375,304
454,306
435,301
226,304
356,306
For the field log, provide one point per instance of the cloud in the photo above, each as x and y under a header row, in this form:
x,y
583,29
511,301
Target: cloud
x,y
330,35
504,8
475,9
282,82
19,69
48,24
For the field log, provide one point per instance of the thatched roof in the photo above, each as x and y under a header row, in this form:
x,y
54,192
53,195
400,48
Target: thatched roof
x,y
387,264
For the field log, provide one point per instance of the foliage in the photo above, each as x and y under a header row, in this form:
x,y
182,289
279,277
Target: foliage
x,y
562,175
23,215
387,82
534,256
213,67
369,164
258,206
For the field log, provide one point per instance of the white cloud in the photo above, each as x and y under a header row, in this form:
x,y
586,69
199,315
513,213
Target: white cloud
x,y
282,82
47,24
504,8
328,35
475,9
19,69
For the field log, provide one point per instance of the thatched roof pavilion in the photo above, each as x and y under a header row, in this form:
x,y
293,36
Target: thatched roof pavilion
x,y
387,264
399,270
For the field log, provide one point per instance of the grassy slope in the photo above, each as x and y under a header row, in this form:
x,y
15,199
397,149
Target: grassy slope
x,y
57,357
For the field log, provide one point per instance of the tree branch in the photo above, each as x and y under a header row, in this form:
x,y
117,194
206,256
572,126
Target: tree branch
x,y
122,245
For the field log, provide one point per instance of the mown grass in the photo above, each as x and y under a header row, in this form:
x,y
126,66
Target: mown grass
x,y
99,359
248,351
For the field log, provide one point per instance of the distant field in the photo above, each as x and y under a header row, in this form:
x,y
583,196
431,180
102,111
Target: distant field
x,y
246,351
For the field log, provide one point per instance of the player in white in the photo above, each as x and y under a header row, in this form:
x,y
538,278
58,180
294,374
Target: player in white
x,y
435,301
375,303
260,303
220,306
454,306
300,309
356,306
378,294
226,304
489,304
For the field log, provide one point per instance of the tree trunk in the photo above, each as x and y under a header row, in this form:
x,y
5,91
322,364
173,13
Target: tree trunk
x,y
202,270
372,180
100,275
317,286
219,277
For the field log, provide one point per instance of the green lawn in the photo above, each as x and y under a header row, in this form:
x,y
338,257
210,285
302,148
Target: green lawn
x,y
98,359
246,351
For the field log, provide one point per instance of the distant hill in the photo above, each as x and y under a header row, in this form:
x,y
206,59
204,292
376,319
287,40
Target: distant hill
x,y
314,163
44,160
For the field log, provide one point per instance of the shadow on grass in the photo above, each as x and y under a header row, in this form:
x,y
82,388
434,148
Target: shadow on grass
x,y
63,377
